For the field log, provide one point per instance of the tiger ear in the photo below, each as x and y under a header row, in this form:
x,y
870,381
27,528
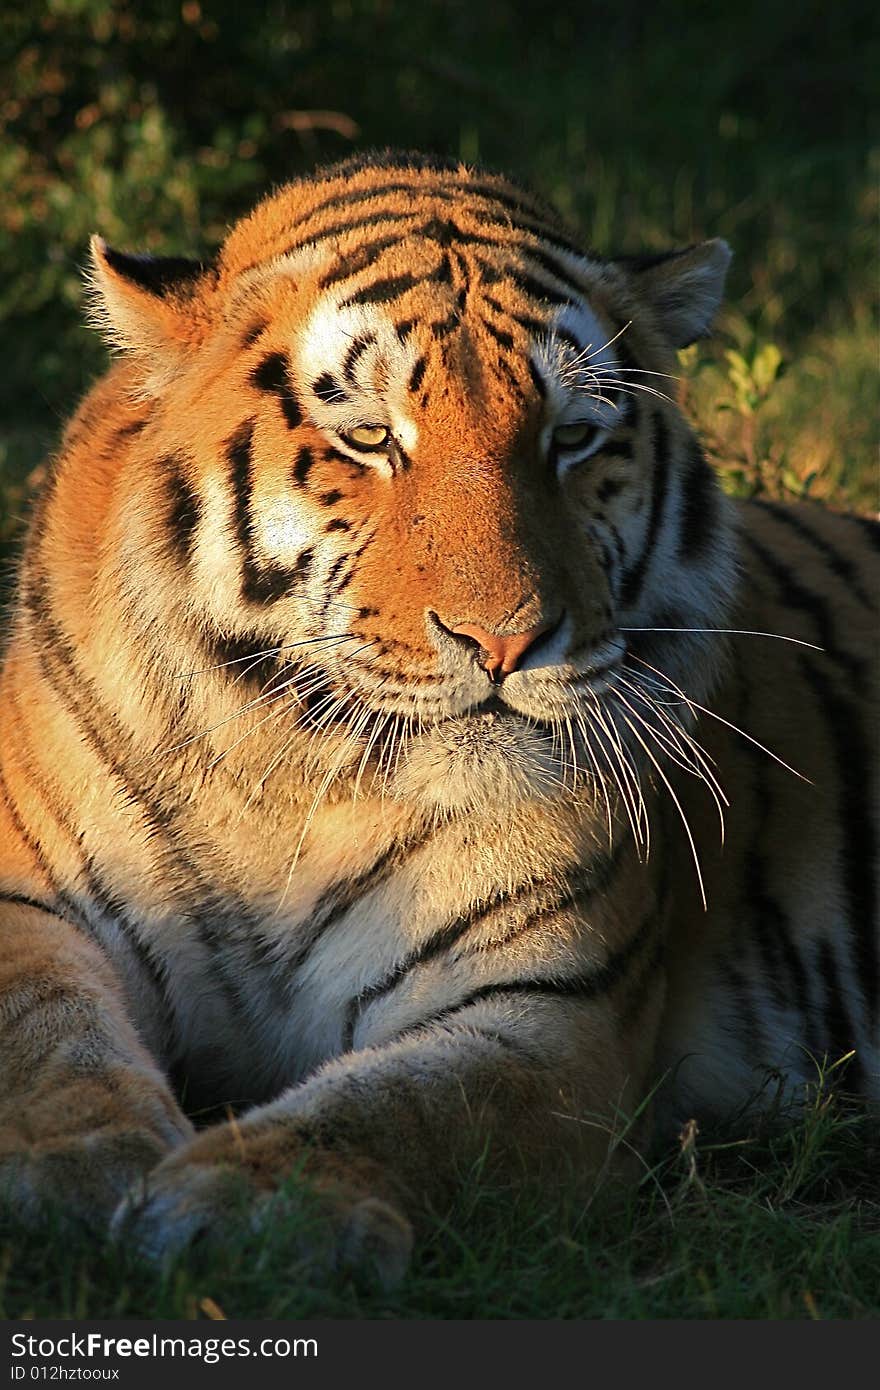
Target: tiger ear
x,y
144,305
684,288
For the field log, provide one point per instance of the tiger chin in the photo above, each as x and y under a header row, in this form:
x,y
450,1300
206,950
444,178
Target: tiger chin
x,y
405,745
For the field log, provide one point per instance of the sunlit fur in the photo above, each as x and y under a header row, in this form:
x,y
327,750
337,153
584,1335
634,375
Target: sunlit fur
x,y
271,838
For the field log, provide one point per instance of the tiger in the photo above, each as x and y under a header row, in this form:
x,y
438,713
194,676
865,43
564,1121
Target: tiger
x,y
412,761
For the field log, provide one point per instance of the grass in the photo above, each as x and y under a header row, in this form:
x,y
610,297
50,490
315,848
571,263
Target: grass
x,y
779,1228
649,127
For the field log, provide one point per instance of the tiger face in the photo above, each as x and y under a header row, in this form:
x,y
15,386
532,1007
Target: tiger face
x,y
430,445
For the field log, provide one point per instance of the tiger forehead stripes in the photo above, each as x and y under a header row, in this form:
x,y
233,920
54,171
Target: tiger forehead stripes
x,y
402,734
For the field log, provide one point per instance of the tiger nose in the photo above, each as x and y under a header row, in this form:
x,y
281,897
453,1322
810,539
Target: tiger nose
x,y
502,654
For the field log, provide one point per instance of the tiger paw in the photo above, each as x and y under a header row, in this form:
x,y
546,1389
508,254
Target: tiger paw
x,y
222,1184
74,1153
78,1177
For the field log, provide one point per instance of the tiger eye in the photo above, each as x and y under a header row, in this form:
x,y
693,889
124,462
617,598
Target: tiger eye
x,y
569,436
368,436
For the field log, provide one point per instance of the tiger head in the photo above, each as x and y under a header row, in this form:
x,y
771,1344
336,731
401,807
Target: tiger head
x,y
421,445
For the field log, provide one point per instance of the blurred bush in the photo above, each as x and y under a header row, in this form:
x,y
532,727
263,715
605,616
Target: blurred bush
x,y
158,124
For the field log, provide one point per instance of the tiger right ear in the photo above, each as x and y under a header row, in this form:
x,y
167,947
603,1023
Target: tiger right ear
x,y
144,304
684,288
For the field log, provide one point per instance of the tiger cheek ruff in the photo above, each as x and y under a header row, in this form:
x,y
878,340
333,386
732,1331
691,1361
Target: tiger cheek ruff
x,y
404,742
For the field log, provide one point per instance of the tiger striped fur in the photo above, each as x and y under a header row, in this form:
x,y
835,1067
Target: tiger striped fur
x,y
384,666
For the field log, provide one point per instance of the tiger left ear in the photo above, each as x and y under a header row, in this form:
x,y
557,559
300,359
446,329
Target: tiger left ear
x,y
684,288
144,304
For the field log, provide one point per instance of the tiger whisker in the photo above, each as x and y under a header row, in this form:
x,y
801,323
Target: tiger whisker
x,y
684,820
693,704
627,388
599,779
256,657
354,724
679,732
674,753
638,371
628,781
729,632
246,735
316,684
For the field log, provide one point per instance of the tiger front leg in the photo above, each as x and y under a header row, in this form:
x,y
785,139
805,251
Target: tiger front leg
x,y
529,1085
84,1110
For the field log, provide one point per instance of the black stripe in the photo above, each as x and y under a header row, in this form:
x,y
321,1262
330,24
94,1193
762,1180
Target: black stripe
x,y
132,428
75,694
156,970
443,274
302,467
537,289
383,291
387,290
273,375
22,900
564,335
358,347
328,390
585,881
335,586
856,819
160,815
559,272
771,929
748,1018
608,488
331,455
73,917
584,987
650,976
291,410
511,378
499,334
839,1036
256,330
246,659
534,327
698,508
837,563
338,229
442,232
184,512
417,374
441,328
869,527
357,260
261,583
538,381
529,225
796,595
340,898
452,194
634,576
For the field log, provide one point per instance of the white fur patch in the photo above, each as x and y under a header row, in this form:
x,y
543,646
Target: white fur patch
x,y
377,393
578,381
